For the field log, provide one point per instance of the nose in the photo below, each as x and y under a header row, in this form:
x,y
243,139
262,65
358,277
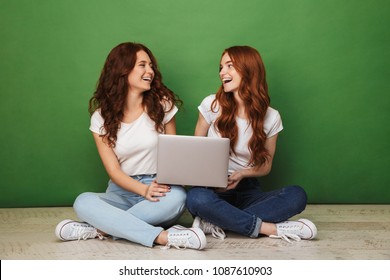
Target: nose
x,y
222,72
149,69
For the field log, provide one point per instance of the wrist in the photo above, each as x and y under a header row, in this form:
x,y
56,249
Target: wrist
x,y
242,174
146,190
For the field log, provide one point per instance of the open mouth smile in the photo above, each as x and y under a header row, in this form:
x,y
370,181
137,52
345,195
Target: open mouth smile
x,y
226,80
147,79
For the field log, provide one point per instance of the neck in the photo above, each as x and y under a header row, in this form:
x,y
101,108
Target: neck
x,y
133,109
133,102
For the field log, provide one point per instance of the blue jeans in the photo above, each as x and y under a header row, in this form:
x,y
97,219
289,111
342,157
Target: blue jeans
x,y
123,214
243,209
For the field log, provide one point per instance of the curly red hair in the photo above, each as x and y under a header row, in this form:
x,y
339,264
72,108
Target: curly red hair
x,y
253,90
112,87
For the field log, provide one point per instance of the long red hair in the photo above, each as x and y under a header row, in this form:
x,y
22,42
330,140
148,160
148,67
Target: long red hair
x,y
253,91
112,87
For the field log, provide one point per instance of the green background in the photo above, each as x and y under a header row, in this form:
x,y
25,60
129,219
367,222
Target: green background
x,y
327,66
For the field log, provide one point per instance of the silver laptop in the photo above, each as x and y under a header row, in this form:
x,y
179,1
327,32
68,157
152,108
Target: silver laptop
x,y
193,160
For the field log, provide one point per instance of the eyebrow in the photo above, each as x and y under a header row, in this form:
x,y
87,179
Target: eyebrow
x,y
226,62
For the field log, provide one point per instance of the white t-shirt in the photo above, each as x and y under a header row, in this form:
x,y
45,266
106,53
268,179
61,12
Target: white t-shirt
x,y
136,145
240,160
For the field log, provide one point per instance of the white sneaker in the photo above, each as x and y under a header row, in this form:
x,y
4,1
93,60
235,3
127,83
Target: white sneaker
x,y
71,230
181,238
209,228
296,230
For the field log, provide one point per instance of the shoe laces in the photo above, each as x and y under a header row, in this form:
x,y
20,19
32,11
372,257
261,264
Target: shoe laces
x,y
178,240
287,237
215,231
288,231
85,232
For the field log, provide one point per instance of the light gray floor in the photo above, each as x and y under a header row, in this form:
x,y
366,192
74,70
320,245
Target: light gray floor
x,y
352,232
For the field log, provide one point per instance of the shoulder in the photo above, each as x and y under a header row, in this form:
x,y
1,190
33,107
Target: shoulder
x,y
97,116
272,122
169,108
206,103
209,113
97,122
166,103
208,100
272,113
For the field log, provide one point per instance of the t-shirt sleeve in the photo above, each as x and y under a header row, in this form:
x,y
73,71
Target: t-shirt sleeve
x,y
205,109
169,115
273,123
97,123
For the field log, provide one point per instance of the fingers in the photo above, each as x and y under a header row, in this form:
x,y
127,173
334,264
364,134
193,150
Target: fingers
x,y
156,190
232,184
161,186
152,196
153,199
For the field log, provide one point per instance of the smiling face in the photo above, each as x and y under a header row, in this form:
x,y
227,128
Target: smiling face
x,y
229,76
141,76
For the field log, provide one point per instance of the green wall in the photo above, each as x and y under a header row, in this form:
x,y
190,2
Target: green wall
x,y
327,64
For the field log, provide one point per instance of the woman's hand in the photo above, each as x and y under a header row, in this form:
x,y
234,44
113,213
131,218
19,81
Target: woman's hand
x,y
233,181
155,190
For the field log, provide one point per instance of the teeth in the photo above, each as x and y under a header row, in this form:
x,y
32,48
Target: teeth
x,y
147,79
226,80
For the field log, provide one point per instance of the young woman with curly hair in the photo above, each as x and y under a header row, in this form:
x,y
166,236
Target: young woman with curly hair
x,y
240,111
129,108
